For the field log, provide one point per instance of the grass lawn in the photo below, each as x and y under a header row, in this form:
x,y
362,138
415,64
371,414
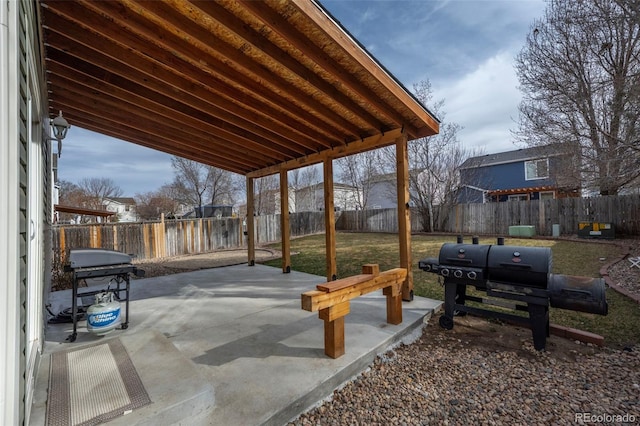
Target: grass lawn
x,y
621,327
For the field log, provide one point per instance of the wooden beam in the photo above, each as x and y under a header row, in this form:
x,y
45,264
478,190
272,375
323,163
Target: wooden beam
x,y
204,77
361,145
285,232
251,246
299,40
161,92
172,26
404,214
335,32
293,71
329,221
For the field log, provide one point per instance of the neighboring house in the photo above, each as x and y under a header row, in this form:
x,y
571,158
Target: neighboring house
x,y
383,193
311,198
268,202
124,207
537,173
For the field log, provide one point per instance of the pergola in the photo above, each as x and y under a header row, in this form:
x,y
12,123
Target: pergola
x,y
252,87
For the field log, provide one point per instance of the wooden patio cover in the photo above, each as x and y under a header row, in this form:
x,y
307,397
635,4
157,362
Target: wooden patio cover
x,y
253,87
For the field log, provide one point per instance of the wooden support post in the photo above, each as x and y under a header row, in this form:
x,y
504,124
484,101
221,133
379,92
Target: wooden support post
x,y
285,232
404,218
329,220
251,245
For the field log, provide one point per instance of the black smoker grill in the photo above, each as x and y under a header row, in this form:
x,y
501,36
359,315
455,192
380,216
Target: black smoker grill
x,y
97,263
518,274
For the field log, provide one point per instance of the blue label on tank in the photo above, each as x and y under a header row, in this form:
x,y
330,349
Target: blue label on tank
x,y
103,319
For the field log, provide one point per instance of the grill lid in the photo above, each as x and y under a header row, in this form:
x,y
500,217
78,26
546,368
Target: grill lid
x,y
464,255
93,257
529,266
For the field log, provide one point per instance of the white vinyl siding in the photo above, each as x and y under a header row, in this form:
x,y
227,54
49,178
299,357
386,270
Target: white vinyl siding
x,y
11,218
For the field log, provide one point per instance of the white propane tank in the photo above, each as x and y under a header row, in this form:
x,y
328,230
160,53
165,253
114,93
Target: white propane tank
x,y
103,316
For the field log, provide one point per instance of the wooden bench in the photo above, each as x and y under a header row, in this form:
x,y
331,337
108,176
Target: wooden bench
x,y
332,300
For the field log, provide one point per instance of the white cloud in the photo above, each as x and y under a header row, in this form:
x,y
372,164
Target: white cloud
x,y
134,168
485,103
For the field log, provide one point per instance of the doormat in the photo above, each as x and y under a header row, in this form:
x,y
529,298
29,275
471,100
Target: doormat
x,y
91,385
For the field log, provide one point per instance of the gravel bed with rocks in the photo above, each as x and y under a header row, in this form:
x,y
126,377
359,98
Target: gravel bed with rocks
x,y
486,373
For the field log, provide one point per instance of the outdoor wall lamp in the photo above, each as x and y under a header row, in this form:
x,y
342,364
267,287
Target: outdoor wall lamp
x,y
60,128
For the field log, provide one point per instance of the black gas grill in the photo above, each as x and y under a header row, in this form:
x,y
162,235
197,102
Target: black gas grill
x,y
517,274
97,263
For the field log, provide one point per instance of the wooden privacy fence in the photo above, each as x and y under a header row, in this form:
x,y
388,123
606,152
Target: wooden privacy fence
x,y
189,236
495,218
153,239
303,223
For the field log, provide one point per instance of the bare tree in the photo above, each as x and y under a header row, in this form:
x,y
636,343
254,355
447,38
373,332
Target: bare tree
x,y
195,182
434,162
70,194
151,205
579,72
96,190
265,194
190,182
359,170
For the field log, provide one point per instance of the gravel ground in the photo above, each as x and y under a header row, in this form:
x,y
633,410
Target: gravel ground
x,y
485,373
174,265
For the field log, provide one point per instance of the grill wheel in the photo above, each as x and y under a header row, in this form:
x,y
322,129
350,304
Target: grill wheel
x,y
446,322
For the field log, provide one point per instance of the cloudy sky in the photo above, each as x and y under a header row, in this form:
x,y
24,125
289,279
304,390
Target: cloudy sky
x,y
465,48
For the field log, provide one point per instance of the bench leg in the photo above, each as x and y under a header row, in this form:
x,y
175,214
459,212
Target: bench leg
x,y
394,304
333,318
334,338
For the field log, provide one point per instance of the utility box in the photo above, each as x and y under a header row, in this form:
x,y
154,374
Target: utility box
x,y
522,231
596,230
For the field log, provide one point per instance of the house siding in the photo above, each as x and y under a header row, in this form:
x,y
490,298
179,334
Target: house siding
x,y
503,176
24,207
383,195
510,175
23,188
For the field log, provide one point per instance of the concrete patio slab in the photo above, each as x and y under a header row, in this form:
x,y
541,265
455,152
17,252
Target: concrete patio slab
x,y
238,335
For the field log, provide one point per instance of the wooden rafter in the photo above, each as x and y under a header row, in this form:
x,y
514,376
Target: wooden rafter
x,y
250,87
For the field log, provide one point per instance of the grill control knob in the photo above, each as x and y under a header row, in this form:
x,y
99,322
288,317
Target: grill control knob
x,y
427,267
472,275
444,272
457,273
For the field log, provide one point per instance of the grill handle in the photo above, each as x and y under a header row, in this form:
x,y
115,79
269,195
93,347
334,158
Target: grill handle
x,y
516,265
456,260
